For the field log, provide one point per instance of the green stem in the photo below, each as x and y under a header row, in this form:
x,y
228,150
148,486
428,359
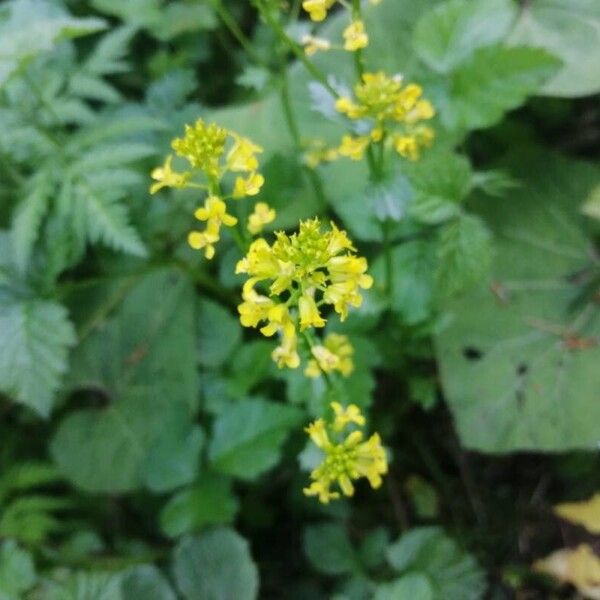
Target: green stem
x,y
294,130
295,48
387,253
231,24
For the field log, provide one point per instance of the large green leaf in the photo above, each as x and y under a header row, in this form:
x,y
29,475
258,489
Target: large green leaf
x,y
142,361
452,573
145,582
414,586
493,80
519,360
247,436
35,336
451,31
570,30
215,566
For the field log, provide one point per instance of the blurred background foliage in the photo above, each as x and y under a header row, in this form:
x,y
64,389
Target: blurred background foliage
x,y
151,449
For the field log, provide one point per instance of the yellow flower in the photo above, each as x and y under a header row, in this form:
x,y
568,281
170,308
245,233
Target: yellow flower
x,y
347,460
354,147
204,239
202,146
317,9
302,271
334,355
263,215
309,313
319,153
355,36
312,44
249,186
215,210
242,156
347,416
394,110
166,177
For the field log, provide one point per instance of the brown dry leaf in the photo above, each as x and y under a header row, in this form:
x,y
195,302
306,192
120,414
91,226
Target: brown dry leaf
x,y
579,567
586,513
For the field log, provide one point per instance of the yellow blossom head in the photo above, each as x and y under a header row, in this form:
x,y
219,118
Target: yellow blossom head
x,y
334,355
355,36
263,215
202,146
166,177
346,457
313,44
303,272
317,9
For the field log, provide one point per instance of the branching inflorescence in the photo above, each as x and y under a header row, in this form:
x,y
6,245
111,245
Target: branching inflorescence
x,y
298,280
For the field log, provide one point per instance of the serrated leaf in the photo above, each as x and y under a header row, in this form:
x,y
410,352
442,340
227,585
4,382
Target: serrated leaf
x,y
452,573
35,336
247,437
107,221
143,361
570,30
451,31
215,566
88,586
464,255
31,27
209,502
28,218
513,377
494,80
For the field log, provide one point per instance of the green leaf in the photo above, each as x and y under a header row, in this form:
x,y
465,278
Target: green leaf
x,y
570,30
464,255
450,32
512,378
219,333
215,566
32,27
413,267
107,221
28,217
174,458
85,586
210,502
328,548
494,80
35,336
247,437
414,586
145,582
17,571
142,361
452,573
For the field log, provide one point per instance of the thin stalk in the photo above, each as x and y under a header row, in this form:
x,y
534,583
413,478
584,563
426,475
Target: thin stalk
x,y
290,119
296,49
231,24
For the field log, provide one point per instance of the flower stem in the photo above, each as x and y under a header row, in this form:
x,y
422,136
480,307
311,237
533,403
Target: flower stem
x,y
295,48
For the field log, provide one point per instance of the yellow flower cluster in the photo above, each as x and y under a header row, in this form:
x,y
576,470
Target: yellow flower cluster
x,y
355,34
212,153
396,111
345,459
335,354
304,271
